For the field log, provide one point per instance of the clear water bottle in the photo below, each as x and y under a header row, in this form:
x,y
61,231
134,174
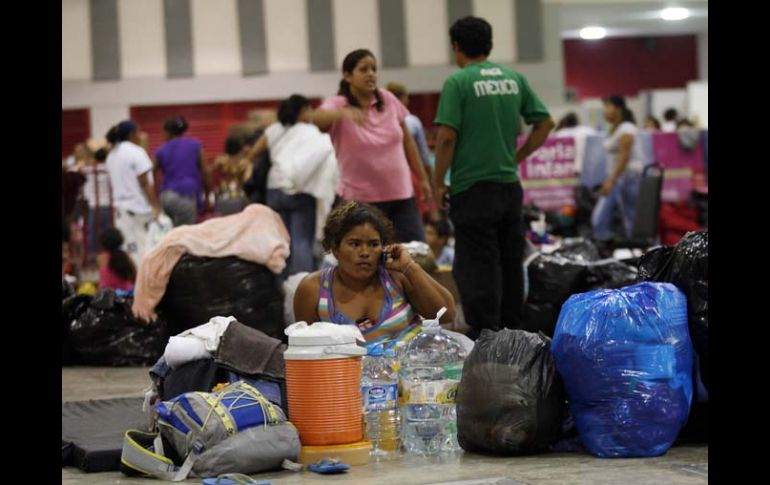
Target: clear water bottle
x,y
430,372
379,394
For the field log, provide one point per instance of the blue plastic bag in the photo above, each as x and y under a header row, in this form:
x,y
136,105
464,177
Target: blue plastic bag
x,y
626,360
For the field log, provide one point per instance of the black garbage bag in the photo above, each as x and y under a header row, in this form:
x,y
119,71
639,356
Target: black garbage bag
x,y
106,333
67,290
570,438
575,267
610,275
578,249
585,201
686,266
654,262
697,428
201,288
553,278
71,309
540,316
511,399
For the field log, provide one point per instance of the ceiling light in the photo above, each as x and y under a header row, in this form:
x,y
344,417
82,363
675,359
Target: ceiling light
x,y
593,33
674,13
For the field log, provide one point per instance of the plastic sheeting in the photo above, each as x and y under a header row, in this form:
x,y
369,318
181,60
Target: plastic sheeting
x,y
105,332
511,399
574,268
201,288
686,266
626,359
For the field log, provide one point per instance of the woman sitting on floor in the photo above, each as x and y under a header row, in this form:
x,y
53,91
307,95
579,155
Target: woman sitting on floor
x,y
375,285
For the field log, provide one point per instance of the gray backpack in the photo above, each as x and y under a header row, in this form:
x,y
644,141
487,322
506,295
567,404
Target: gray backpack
x,y
235,430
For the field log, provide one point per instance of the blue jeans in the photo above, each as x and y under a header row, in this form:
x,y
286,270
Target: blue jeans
x,y
623,197
298,214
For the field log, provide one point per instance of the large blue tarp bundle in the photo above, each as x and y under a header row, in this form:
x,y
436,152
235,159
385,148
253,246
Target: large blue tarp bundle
x,y
626,360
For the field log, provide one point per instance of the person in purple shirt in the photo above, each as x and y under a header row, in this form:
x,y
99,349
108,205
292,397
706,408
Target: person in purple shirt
x,y
185,175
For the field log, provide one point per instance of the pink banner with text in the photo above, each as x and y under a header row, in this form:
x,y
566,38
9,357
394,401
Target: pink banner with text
x,y
548,175
681,165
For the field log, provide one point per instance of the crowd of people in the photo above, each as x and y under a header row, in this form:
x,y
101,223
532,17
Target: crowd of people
x,y
625,161
379,178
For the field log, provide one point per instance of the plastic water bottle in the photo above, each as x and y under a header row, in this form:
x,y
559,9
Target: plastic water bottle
x,y
379,394
399,350
429,376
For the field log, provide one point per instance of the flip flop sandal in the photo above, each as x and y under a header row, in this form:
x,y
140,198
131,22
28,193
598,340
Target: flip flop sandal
x,y
328,466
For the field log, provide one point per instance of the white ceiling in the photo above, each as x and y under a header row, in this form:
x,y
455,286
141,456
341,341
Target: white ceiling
x,y
630,17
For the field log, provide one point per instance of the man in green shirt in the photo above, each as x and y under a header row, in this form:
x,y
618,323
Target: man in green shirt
x,y
479,115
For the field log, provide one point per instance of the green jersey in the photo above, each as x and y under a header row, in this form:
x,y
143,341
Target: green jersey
x,y
484,102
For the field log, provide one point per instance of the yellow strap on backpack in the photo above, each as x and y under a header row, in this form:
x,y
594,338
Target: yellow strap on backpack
x,y
217,407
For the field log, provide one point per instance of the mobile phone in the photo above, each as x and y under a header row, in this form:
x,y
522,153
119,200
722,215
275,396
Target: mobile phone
x,y
384,257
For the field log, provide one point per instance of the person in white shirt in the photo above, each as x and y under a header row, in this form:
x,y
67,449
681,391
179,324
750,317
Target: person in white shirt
x,y
133,191
570,127
670,117
299,151
624,167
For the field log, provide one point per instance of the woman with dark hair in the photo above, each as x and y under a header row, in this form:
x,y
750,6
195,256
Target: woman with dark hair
x,y
301,177
624,167
373,146
376,284
670,118
116,270
185,175
233,170
133,195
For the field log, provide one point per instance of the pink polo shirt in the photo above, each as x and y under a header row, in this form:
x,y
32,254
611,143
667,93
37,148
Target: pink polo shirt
x,y
372,162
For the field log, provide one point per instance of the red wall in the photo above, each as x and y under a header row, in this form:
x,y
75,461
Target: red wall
x,y
627,65
424,107
75,128
209,122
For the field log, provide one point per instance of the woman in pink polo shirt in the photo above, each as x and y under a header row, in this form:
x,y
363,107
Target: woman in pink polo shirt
x,y
374,148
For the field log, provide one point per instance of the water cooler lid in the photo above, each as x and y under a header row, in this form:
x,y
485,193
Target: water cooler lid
x,y
323,340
